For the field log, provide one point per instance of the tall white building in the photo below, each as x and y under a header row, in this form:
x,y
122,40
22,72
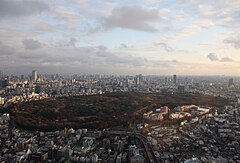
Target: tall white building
x,y
34,75
1,101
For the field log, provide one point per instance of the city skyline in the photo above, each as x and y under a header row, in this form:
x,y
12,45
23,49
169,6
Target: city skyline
x,y
120,37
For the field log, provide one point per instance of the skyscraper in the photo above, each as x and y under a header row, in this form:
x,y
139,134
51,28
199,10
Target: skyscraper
x,y
137,81
140,79
230,82
22,77
175,79
34,75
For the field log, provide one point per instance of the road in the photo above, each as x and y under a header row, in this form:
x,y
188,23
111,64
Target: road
x,y
147,146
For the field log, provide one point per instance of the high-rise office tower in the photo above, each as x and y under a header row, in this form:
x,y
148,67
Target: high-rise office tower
x,y
230,82
175,79
137,81
166,80
140,79
34,75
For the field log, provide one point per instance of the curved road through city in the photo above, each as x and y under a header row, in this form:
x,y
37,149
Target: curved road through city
x,y
148,148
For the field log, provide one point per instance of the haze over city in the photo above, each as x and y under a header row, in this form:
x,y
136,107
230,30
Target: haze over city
x,y
120,37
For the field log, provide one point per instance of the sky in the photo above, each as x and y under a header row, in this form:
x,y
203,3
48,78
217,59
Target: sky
x,y
151,37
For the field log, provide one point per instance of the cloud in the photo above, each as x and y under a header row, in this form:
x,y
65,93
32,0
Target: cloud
x,y
5,49
102,51
191,29
164,46
235,41
114,58
227,59
102,48
91,55
213,57
31,44
125,60
72,42
229,16
170,49
123,45
17,8
162,63
94,22
153,1
132,17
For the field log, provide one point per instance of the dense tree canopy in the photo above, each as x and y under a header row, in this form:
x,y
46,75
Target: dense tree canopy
x,y
99,111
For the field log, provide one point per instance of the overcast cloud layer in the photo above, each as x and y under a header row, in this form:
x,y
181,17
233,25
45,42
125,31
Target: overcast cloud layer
x,y
120,37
